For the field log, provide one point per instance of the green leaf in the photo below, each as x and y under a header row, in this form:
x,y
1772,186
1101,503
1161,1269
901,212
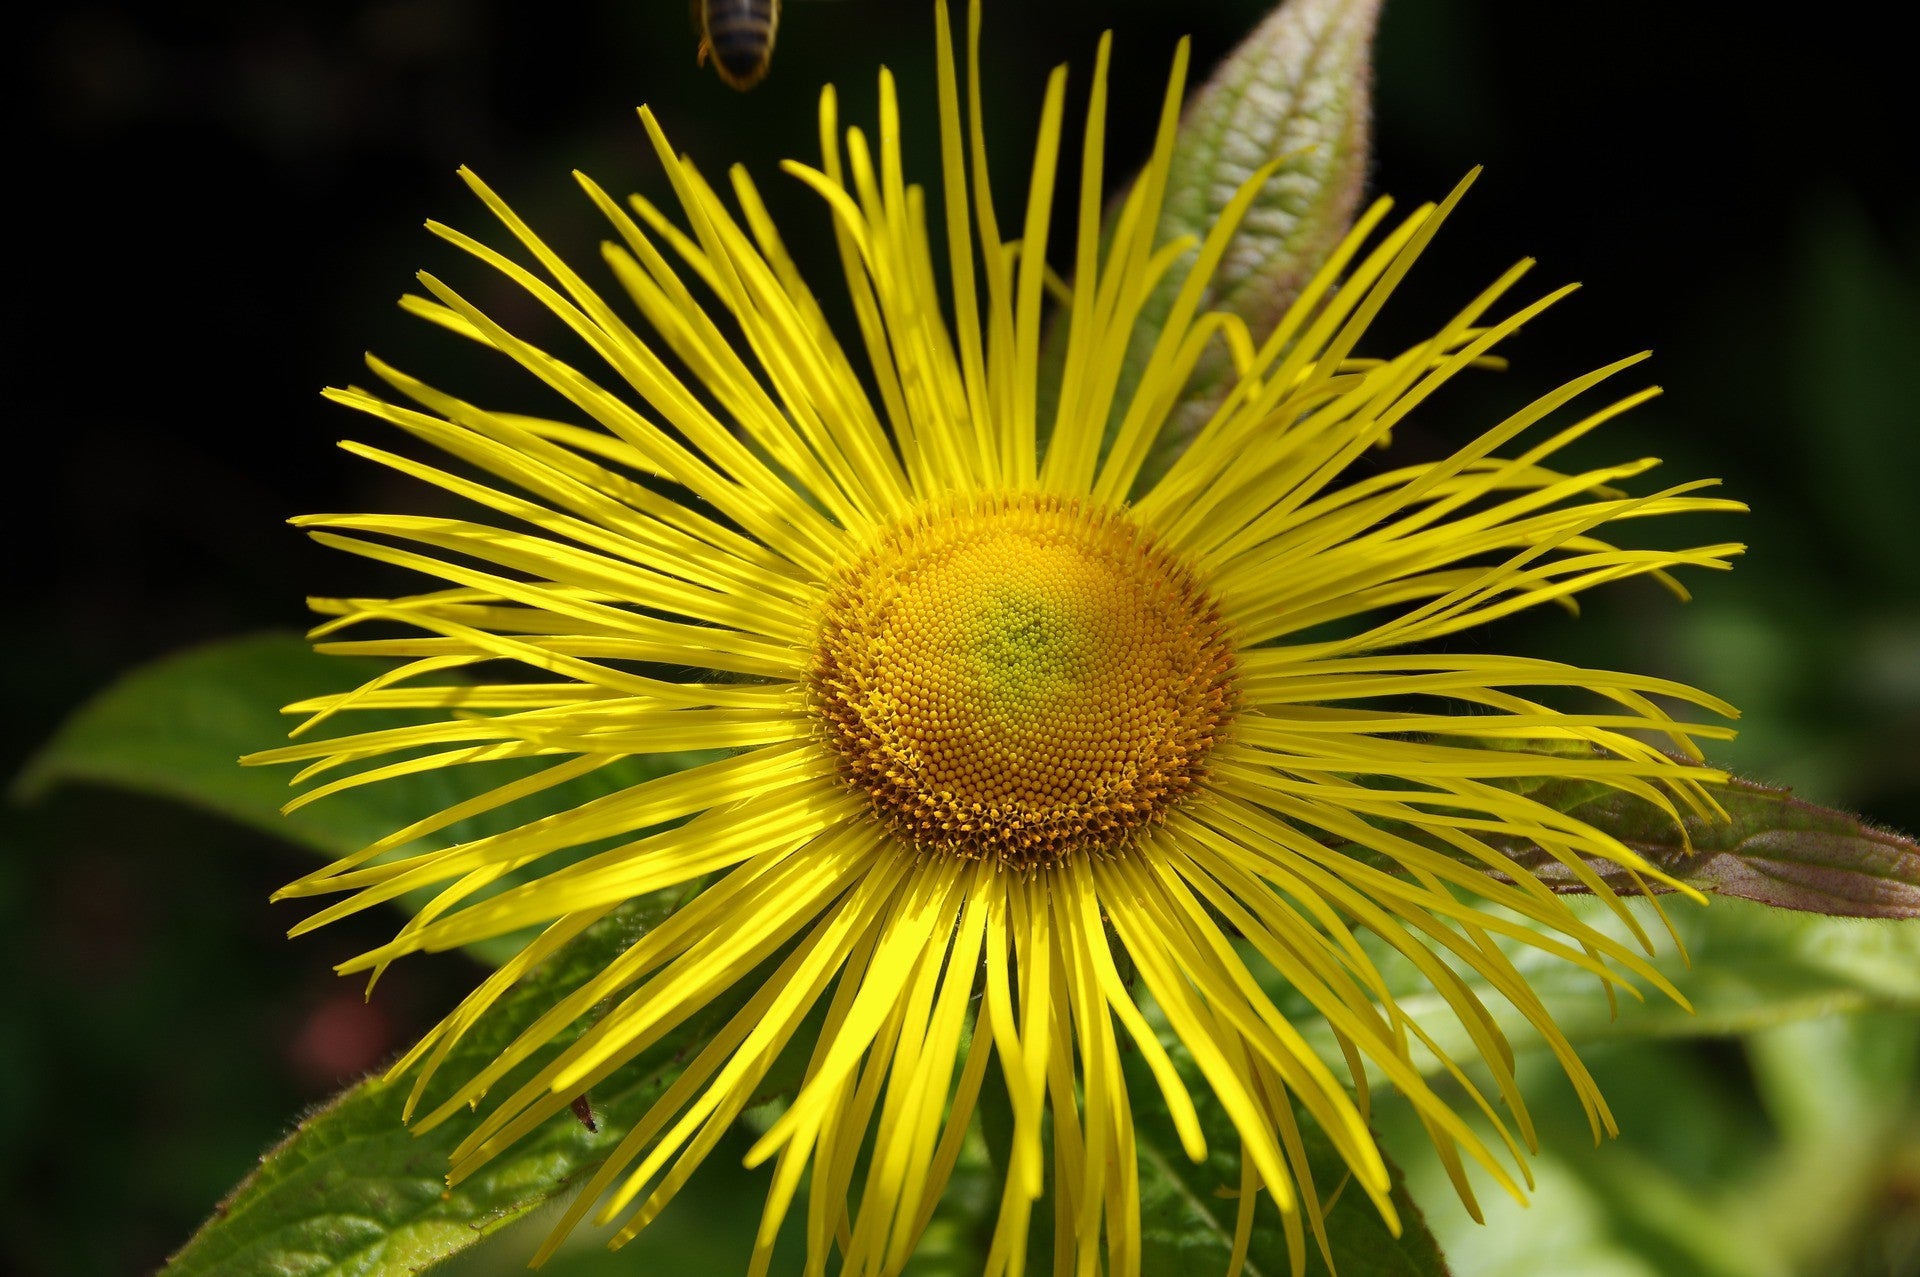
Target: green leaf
x,y
177,728
1299,86
352,1191
1188,1209
1187,1216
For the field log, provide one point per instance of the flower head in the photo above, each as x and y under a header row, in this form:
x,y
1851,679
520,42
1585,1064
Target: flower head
x,y
1000,715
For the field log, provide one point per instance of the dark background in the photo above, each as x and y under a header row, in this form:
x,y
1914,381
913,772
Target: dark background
x,y
215,205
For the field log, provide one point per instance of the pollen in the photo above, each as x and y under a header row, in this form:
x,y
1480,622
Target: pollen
x,y
1021,677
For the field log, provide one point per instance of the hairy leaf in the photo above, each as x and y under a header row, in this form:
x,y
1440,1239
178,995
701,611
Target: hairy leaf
x,y
353,1192
1299,86
1774,848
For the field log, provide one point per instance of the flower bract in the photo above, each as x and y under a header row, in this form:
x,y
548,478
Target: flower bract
x,y
1027,763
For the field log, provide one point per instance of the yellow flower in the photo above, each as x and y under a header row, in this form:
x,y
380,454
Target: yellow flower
x,y
1001,719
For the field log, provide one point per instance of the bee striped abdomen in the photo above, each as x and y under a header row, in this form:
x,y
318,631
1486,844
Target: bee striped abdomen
x,y
739,34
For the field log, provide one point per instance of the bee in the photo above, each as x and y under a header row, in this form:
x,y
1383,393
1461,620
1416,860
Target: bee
x,y
739,35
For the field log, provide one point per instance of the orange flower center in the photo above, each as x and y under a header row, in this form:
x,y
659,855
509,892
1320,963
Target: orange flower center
x,y
1021,677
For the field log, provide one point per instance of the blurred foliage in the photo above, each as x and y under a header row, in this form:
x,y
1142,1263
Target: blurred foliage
x,y
1789,1151
227,193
